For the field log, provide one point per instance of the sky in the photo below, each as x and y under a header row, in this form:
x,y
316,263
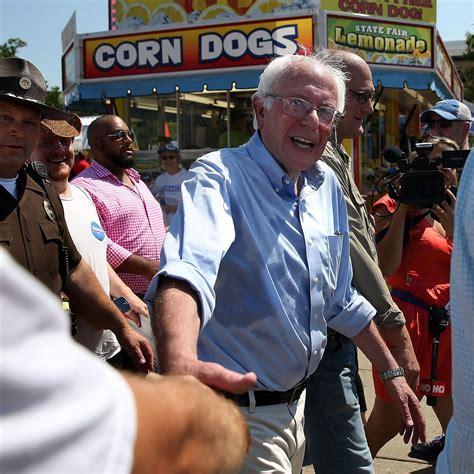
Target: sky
x,y
40,23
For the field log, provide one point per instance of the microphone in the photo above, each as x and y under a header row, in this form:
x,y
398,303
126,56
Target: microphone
x,y
393,154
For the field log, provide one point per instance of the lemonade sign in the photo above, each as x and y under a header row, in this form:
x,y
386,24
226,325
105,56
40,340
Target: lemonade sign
x,y
380,42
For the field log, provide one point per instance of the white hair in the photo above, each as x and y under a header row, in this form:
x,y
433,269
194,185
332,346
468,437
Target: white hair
x,y
284,65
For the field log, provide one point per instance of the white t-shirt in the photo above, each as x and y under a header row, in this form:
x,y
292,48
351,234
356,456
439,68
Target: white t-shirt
x,y
167,190
62,409
91,242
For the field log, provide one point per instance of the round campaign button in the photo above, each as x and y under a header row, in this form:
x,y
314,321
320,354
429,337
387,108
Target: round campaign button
x,y
97,231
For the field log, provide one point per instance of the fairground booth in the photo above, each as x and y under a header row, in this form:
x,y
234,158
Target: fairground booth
x,y
186,70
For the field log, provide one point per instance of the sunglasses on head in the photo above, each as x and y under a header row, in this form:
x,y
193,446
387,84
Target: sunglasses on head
x,y
363,96
443,124
119,135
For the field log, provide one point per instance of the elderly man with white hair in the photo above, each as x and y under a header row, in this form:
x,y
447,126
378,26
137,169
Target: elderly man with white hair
x,y
255,266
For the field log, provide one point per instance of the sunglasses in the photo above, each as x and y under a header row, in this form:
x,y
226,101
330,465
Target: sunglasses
x,y
167,157
443,124
363,96
120,135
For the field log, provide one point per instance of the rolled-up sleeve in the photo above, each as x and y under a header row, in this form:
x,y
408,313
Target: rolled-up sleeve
x,y
199,236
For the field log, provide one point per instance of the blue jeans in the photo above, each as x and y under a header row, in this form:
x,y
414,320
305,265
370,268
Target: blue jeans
x,y
335,438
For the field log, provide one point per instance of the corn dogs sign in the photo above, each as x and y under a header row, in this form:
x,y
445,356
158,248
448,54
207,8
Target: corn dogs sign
x,y
199,48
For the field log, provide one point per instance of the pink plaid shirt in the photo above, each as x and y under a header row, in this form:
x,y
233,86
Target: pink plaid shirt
x,y
131,218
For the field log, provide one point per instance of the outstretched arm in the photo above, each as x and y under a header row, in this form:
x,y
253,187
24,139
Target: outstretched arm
x,y
184,426
176,325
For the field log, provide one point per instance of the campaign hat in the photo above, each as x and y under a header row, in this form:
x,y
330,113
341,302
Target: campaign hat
x,y
22,83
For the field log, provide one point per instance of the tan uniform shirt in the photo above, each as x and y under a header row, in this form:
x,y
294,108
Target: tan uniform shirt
x,y
33,230
367,278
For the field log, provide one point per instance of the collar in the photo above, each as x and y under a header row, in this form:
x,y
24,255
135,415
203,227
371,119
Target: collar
x,y
279,179
102,172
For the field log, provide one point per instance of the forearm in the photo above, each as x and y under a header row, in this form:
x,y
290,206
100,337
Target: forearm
x,y
399,343
390,248
372,345
176,324
204,432
89,299
117,286
139,266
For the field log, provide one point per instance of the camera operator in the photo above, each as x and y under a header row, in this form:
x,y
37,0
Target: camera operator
x,y
451,119
414,247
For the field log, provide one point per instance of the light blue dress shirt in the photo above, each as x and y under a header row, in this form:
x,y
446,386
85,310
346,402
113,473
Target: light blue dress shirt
x,y
271,269
457,456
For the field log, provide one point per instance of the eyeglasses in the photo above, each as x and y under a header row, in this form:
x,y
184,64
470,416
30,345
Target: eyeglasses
x,y
300,108
363,96
167,157
120,135
443,124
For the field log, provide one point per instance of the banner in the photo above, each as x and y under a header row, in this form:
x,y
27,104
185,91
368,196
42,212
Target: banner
x,y
406,10
381,42
134,14
194,49
443,62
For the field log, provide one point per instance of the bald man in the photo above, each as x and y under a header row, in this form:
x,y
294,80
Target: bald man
x,y
129,214
334,430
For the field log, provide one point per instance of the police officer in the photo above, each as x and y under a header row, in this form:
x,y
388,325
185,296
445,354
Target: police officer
x,y
32,225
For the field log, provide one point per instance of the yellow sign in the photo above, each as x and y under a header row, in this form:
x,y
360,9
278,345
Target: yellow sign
x,y
175,50
406,10
381,42
135,14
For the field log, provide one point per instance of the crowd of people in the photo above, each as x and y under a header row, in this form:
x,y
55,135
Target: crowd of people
x,y
261,270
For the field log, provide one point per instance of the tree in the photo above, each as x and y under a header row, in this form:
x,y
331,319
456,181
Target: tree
x,y
10,48
54,98
469,72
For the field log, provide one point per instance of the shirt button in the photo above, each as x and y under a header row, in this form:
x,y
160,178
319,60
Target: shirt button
x,y
28,238
310,241
286,181
277,190
315,279
35,272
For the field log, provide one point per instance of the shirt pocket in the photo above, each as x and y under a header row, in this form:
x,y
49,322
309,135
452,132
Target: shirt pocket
x,y
52,246
5,234
334,246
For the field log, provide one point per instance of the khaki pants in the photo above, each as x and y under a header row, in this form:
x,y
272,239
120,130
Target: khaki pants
x,y
277,438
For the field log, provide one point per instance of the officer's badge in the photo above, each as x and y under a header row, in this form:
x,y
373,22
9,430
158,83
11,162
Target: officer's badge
x,y
49,210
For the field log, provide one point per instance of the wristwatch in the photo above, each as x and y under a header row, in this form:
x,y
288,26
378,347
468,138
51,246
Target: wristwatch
x,y
391,374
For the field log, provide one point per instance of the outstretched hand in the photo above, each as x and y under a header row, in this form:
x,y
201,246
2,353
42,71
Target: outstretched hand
x,y
214,375
412,421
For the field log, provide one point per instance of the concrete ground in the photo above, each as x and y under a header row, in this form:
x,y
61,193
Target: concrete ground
x,y
393,458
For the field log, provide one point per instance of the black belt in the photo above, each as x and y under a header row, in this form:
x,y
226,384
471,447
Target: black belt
x,y
264,397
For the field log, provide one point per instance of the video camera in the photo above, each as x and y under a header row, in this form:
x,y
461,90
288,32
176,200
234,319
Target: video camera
x,y
421,182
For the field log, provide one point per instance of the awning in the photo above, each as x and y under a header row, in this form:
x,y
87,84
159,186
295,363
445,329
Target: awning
x,y
165,84
417,80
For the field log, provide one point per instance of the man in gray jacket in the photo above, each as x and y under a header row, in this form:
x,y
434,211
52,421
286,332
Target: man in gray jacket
x,y
334,429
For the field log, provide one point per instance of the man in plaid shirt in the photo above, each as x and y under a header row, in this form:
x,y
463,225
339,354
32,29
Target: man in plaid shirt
x,y
130,215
